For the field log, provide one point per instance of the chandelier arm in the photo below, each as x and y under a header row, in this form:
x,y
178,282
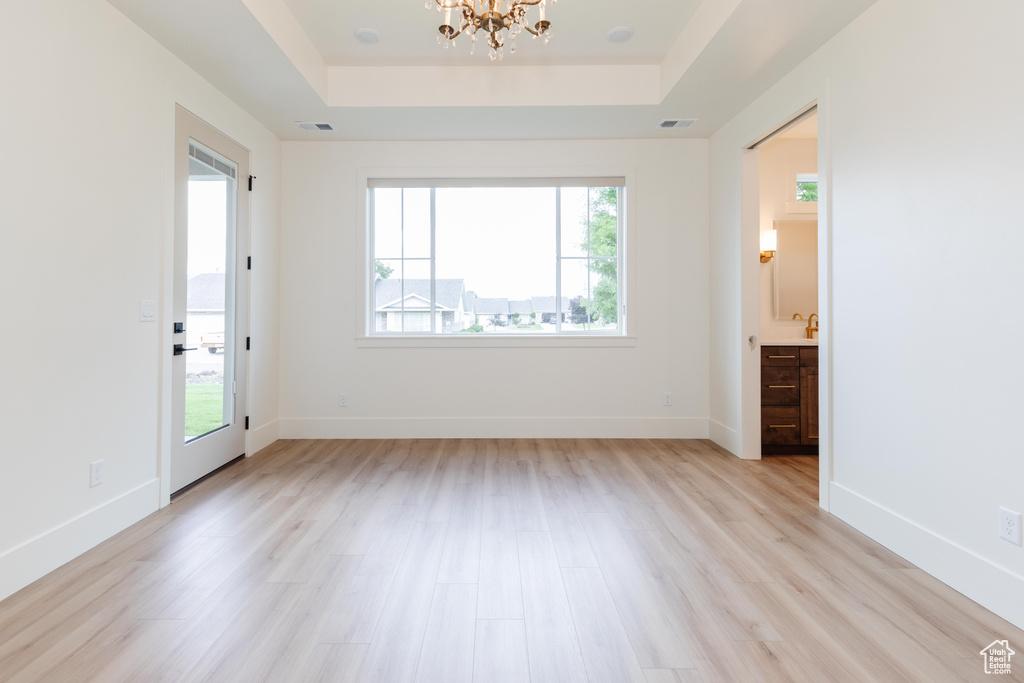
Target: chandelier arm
x,y
528,3
530,29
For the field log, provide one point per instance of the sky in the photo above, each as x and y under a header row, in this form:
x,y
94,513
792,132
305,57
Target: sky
x,y
207,225
500,241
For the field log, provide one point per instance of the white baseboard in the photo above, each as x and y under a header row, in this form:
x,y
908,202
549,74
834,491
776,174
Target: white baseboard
x,y
995,588
262,437
39,556
726,437
494,427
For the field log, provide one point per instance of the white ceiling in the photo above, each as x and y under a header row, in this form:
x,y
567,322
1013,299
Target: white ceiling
x,y
409,30
297,60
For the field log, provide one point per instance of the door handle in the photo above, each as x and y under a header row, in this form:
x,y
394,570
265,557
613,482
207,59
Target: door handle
x,y
179,349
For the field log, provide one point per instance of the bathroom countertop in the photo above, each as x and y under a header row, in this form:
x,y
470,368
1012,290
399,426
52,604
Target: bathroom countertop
x,y
790,342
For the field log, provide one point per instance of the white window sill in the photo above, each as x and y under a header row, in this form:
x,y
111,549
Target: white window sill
x,y
496,342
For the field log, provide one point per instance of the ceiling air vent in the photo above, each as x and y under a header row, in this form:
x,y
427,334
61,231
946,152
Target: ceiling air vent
x,y
677,123
309,125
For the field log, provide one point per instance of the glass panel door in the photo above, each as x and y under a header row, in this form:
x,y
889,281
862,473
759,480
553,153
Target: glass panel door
x,y
209,320
210,301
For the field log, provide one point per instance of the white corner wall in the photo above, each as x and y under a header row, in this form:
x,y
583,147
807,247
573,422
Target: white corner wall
x,y
86,127
921,102
530,392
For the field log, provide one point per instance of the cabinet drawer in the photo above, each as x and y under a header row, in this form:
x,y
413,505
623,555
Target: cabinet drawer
x,y
780,425
780,386
773,356
809,357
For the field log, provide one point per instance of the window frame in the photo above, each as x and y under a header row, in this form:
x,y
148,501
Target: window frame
x,y
805,179
626,324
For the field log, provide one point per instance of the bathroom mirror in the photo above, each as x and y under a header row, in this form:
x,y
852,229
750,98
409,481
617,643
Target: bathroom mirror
x,y
796,269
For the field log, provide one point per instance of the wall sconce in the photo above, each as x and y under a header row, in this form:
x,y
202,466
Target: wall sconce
x,y
769,244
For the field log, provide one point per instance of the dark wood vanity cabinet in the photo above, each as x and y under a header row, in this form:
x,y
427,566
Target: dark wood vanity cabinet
x,y
789,400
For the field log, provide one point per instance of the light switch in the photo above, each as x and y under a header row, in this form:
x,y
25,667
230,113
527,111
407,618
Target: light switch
x,y
147,311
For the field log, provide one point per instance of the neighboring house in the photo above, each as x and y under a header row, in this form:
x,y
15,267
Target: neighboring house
x,y
544,307
524,308
406,308
205,307
206,293
486,309
404,305
469,304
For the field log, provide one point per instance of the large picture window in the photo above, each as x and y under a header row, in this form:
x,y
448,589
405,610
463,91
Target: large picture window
x,y
510,257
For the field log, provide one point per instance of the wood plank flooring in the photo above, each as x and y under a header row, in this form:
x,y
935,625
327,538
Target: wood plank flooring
x,y
496,561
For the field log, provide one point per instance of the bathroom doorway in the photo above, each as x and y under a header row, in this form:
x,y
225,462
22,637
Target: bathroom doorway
x,y
784,194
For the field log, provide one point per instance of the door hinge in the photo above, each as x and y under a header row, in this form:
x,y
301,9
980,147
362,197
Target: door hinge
x,y
247,343
248,263
246,421
251,178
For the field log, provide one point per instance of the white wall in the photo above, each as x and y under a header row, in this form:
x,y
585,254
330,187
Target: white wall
x,y
921,102
492,391
779,161
86,129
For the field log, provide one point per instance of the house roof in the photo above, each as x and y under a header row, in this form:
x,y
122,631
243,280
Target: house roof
x,y
491,307
546,304
206,292
449,292
524,307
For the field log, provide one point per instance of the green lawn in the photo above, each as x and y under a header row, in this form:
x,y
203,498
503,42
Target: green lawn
x,y
204,408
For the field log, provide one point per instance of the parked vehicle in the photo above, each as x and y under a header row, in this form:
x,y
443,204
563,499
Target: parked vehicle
x,y
212,342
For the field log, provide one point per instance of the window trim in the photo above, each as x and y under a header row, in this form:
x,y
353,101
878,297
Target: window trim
x,y
626,336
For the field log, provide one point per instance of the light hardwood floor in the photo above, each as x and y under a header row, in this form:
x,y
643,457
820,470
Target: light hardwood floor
x,y
496,561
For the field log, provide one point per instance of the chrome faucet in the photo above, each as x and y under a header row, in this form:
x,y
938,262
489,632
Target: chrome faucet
x,y
811,330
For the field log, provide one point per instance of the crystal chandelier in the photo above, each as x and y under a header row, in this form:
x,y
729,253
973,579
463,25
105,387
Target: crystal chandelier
x,y
473,16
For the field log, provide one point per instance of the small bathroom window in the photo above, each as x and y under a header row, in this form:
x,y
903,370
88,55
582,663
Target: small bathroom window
x,y
807,187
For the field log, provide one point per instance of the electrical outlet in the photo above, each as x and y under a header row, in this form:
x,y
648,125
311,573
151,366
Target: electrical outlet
x,y
343,400
95,473
1009,526
668,398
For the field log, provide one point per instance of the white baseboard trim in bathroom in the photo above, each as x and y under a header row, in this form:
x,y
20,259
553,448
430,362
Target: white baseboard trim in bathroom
x,y
993,587
263,436
726,437
492,427
37,557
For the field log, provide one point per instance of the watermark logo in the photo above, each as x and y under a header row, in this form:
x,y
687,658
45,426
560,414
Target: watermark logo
x,y
997,657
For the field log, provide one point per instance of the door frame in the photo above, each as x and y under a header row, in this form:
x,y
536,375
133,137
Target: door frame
x,y
750,292
165,382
